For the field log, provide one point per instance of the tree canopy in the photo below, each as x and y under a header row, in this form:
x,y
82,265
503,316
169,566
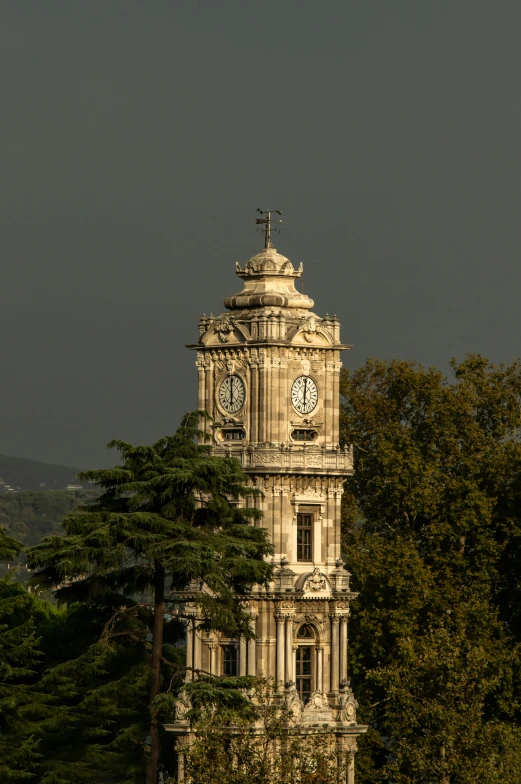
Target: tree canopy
x,y
169,516
432,533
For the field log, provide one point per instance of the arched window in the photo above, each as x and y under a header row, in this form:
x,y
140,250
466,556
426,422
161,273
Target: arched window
x,y
305,632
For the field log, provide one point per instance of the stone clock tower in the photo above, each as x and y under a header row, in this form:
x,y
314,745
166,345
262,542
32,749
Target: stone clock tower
x,y
269,371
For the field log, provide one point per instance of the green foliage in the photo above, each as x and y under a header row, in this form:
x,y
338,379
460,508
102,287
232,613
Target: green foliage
x,y
222,695
21,705
30,515
229,747
167,505
168,518
432,532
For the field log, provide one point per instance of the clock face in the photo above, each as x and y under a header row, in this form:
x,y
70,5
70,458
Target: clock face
x,y
232,394
304,394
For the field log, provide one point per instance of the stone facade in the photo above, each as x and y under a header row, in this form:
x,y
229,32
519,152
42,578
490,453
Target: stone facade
x,y
269,375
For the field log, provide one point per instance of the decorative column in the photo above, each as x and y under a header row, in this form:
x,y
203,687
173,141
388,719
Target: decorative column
x,y
334,653
279,677
351,768
197,646
242,656
254,427
320,669
180,766
202,392
289,649
252,649
189,649
343,648
209,404
262,423
213,658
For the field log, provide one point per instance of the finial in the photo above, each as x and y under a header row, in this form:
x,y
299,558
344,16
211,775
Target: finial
x,y
266,220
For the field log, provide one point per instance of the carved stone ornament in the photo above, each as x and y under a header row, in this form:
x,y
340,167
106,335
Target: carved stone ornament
x,y
349,712
317,710
348,703
224,327
317,701
316,581
306,366
294,707
315,621
309,328
309,495
182,706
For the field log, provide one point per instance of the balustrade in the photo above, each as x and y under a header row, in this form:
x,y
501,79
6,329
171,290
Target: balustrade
x,y
286,458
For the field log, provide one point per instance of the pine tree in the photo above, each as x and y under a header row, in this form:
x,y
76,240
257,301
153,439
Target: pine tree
x,y
432,532
169,516
100,700
19,659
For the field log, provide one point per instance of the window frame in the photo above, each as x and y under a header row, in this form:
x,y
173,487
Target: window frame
x,y
304,678
305,548
229,646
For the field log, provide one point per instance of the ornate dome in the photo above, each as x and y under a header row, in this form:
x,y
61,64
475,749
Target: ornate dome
x,y
270,261
269,281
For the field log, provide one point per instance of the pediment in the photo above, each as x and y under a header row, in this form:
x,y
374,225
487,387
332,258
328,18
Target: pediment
x,y
314,584
310,333
223,331
214,338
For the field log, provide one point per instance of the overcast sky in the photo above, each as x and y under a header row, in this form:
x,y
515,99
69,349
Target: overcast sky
x,y
138,138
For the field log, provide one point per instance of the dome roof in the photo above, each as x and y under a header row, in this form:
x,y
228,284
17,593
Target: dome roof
x,y
269,281
269,260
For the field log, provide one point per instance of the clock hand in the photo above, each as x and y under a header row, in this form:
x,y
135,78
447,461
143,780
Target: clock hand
x,y
305,389
231,392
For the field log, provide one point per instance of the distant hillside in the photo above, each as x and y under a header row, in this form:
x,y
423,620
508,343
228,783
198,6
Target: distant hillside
x,y
29,515
19,473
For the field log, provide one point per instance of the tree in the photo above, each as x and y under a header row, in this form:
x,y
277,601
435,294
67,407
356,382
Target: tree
x,y
99,691
29,515
432,532
20,704
169,516
254,740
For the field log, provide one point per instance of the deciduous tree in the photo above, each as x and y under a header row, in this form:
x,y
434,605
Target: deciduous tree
x,y
432,532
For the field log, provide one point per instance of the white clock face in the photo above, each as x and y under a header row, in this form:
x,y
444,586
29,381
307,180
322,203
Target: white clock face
x,y
304,394
232,394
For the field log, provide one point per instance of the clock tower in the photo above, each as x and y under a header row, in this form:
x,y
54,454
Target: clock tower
x,y
269,376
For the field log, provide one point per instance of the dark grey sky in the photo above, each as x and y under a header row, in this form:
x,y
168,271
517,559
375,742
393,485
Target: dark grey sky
x,y
137,139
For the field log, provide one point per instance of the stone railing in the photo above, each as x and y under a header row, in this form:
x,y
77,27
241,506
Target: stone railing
x,y
266,457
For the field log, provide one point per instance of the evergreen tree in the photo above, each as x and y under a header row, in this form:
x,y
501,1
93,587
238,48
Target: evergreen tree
x,y
19,657
432,532
100,700
168,517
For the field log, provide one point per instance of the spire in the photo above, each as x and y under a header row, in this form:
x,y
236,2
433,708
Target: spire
x,y
267,221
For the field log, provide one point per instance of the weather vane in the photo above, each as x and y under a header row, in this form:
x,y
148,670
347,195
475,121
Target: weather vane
x,y
268,228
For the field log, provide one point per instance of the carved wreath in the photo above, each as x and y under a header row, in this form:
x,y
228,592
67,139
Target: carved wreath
x,y
316,581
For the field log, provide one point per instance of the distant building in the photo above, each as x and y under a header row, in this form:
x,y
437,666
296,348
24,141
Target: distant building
x,y
73,487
